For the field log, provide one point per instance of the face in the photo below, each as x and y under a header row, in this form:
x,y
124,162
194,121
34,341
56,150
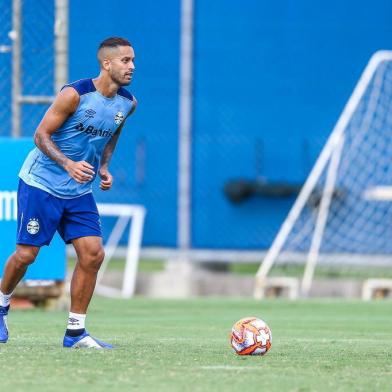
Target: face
x,y
120,65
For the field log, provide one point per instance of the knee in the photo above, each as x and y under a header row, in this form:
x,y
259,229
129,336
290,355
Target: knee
x,y
93,259
25,256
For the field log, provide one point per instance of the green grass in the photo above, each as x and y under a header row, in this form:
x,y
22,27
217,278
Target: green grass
x,y
145,265
182,345
321,271
295,270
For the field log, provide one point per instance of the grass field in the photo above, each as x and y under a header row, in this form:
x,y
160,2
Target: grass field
x,y
182,345
296,270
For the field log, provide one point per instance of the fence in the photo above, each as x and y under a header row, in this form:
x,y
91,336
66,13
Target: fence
x,y
267,87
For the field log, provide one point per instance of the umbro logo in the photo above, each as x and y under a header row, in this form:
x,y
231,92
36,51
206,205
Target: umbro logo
x,y
73,321
89,113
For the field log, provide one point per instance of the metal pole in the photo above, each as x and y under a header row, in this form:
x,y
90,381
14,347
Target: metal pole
x,y
133,252
16,37
61,45
322,217
185,128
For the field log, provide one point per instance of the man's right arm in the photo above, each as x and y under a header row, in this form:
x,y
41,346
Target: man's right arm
x,y
64,105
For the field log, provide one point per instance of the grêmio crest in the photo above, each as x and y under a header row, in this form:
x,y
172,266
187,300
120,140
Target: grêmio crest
x,y
118,118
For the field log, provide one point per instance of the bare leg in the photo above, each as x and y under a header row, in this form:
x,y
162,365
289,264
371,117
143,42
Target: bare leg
x,y
90,254
16,267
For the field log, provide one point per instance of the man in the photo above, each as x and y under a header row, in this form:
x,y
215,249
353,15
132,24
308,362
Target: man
x,y
75,140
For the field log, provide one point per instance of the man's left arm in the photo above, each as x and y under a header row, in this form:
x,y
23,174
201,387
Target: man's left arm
x,y
106,177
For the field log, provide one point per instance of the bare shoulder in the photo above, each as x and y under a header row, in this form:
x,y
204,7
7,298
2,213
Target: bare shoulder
x,y
134,104
67,100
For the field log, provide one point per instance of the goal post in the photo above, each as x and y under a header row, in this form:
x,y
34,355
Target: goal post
x,y
332,216
127,214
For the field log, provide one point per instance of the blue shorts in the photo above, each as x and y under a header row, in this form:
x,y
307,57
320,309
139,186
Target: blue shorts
x,y
40,214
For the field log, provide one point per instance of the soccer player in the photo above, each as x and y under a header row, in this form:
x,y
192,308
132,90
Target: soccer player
x,y
75,141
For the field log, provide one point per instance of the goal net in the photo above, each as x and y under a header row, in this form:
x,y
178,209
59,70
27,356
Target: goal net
x,y
343,214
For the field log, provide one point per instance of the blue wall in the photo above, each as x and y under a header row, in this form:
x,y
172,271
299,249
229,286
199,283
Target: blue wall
x,y
50,263
145,162
270,80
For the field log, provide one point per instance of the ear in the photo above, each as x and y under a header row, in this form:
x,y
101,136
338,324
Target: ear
x,y
106,64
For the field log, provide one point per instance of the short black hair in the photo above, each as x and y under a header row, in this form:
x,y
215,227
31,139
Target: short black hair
x,y
113,42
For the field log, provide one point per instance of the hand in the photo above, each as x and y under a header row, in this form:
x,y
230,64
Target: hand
x,y
81,171
106,179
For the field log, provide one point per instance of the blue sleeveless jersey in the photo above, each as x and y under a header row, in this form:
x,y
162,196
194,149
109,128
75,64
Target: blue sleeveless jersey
x,y
82,137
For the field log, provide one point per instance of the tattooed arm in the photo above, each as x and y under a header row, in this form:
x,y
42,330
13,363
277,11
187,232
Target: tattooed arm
x,y
63,106
106,177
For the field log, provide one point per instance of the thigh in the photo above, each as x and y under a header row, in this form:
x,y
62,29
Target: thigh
x,y
80,219
39,214
87,246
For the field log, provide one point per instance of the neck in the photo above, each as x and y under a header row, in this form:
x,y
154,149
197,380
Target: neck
x,y
106,86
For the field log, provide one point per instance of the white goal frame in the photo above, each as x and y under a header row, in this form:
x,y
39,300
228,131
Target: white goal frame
x,y
126,213
330,155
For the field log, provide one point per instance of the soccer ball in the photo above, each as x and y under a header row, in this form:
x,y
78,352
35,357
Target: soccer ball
x,y
251,336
